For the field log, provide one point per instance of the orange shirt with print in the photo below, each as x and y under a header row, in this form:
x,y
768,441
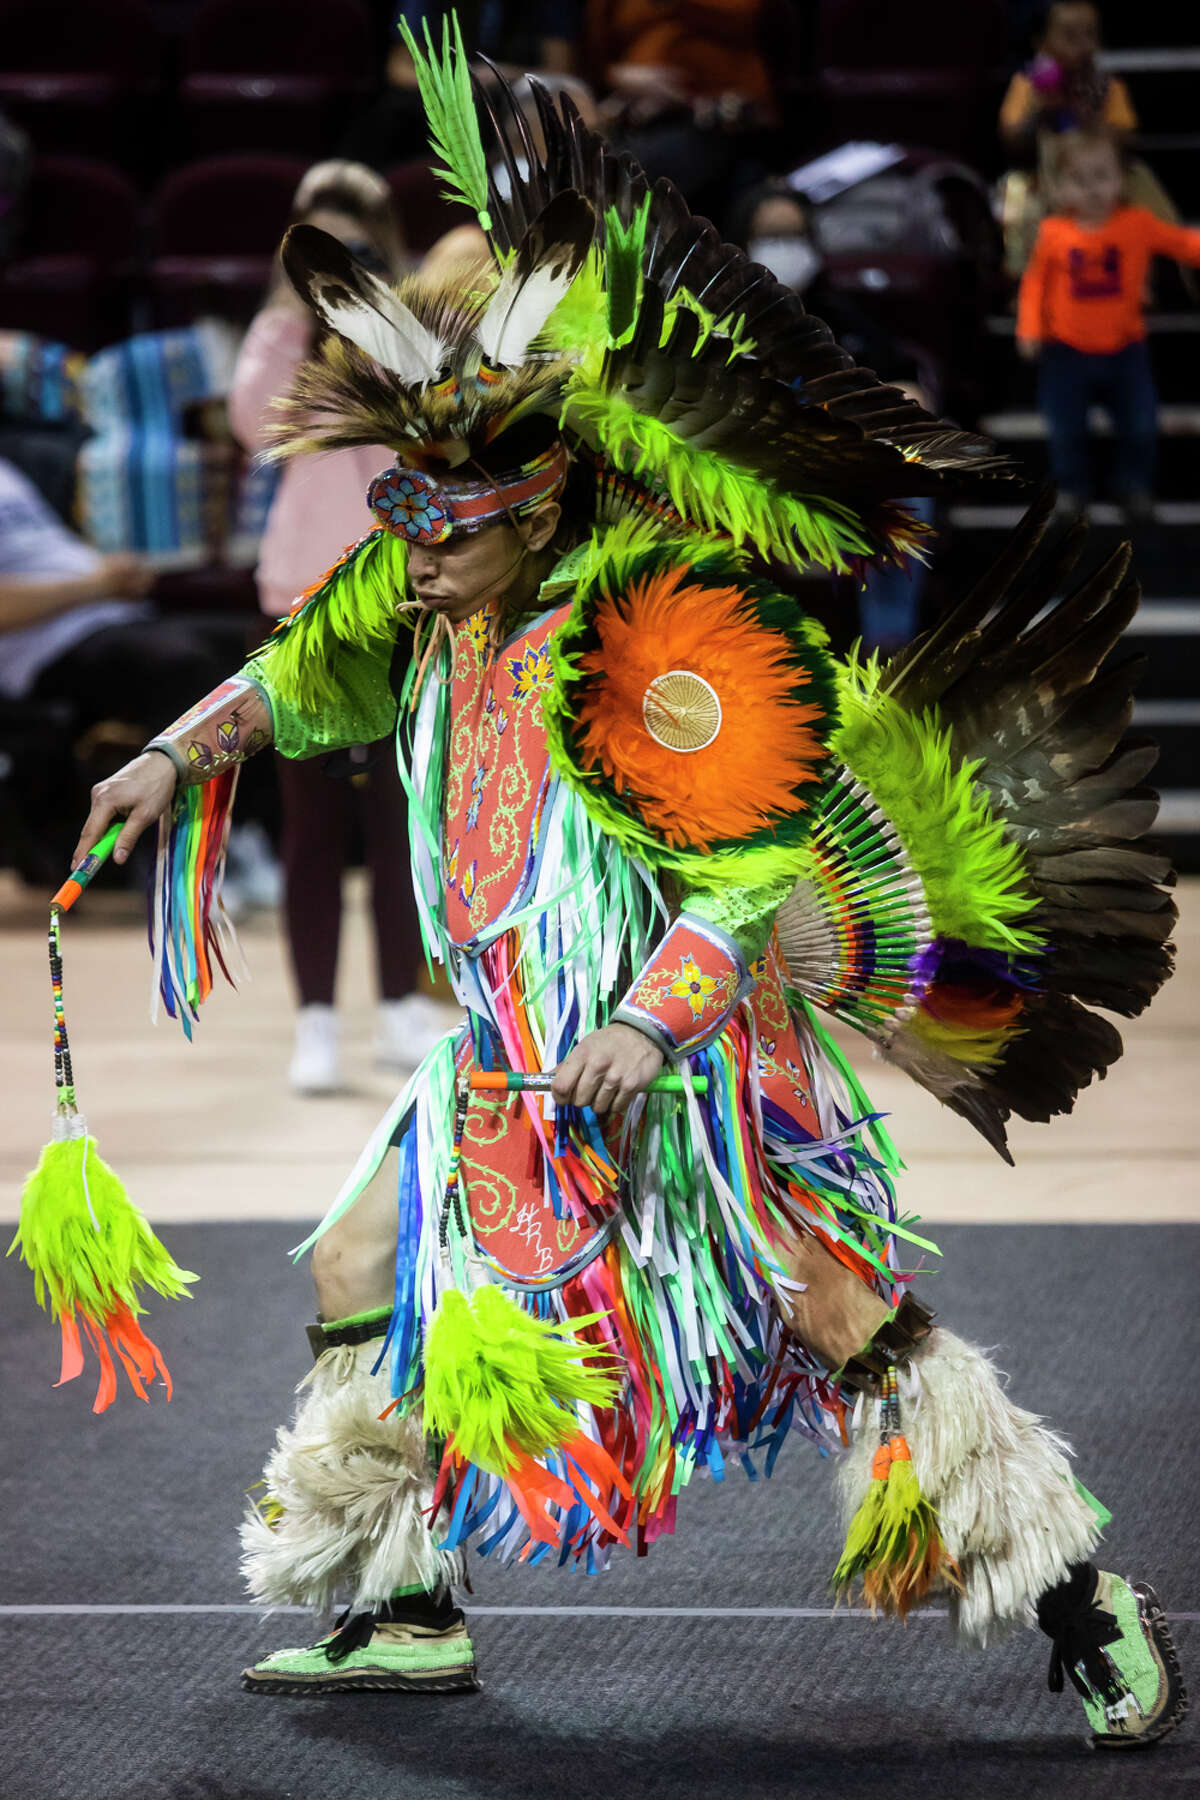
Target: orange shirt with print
x,y
1084,284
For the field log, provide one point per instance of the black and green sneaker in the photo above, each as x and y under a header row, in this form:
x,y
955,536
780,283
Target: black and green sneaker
x,y
1112,1642
397,1648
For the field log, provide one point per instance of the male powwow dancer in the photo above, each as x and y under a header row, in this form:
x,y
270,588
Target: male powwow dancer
x,y
657,831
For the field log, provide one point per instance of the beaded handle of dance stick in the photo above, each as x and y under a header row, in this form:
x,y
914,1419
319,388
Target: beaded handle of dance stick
x,y
501,1081
63,901
95,860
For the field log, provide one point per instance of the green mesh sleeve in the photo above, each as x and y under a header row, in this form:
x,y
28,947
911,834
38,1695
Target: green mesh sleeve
x,y
362,709
746,913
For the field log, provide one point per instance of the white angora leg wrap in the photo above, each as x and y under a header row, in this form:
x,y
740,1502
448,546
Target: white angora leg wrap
x,y
1006,1500
352,1489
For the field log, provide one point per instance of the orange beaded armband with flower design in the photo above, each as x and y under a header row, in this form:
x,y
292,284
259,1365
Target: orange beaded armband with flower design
x,y
690,987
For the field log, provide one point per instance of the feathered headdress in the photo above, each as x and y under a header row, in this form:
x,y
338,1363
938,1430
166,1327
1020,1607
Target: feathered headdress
x,y
691,378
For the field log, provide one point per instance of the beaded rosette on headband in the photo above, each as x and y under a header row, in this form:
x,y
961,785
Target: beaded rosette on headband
x,y
418,509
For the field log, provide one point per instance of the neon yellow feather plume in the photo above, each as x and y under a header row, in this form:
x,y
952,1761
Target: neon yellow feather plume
x,y
445,84
712,492
353,608
974,877
503,1384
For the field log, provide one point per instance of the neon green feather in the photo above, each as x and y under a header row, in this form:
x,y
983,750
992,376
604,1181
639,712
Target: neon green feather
x,y
306,663
445,84
87,1244
975,880
730,326
577,329
624,250
712,492
858,1552
502,1383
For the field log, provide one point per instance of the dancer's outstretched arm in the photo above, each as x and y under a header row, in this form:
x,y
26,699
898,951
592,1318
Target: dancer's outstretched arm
x,y
224,728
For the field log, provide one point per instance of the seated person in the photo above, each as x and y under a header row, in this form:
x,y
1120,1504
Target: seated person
x,y
76,627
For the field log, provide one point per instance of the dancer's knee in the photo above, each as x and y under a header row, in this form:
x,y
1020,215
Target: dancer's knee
x,y
353,1265
835,1313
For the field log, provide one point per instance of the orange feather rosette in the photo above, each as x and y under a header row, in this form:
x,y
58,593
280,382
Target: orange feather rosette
x,y
703,715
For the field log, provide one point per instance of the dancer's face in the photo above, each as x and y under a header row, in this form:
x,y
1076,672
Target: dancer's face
x,y
458,577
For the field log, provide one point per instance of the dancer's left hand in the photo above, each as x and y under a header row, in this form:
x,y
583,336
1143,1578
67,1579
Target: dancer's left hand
x,y
607,1069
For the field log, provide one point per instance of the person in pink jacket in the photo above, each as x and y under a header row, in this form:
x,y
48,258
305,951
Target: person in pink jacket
x,y
319,508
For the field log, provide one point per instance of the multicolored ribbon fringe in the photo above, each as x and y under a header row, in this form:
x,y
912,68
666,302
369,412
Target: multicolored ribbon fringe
x,y
190,931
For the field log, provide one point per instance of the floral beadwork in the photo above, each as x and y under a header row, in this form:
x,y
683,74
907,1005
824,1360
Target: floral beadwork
x,y
531,672
478,783
478,629
497,771
692,985
409,506
702,993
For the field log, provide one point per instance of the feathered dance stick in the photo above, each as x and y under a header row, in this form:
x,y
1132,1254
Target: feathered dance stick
x,y
89,1247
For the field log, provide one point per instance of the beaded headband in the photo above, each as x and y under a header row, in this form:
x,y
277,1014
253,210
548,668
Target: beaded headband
x,y
413,506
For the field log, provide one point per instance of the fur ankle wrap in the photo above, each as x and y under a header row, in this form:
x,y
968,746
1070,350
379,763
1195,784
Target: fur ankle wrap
x,y
1006,1501
342,1517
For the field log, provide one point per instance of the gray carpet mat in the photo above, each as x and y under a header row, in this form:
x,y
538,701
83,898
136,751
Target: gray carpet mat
x,y
140,1508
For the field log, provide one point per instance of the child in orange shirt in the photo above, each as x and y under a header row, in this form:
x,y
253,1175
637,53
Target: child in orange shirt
x,y
1079,312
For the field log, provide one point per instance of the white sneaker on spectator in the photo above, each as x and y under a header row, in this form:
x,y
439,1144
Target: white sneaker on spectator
x,y
252,868
315,1068
408,1029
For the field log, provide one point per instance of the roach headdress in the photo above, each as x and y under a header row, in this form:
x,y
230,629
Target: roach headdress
x,y
687,382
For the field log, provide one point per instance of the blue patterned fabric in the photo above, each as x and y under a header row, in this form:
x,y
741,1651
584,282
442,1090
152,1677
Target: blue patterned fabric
x,y
39,379
154,479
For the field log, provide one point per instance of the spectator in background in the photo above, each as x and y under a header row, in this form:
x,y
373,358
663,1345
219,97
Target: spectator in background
x,y
690,95
1063,89
775,227
522,36
1080,316
320,508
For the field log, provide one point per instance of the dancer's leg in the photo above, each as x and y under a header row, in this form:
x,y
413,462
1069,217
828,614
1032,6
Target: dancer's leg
x,y
1018,1530
347,1492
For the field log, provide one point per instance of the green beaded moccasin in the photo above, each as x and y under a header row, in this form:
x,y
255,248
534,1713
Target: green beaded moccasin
x,y
369,1654
1119,1656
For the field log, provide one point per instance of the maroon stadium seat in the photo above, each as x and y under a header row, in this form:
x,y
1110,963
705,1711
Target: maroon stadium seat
x,y
272,74
69,74
73,279
928,74
215,227
424,213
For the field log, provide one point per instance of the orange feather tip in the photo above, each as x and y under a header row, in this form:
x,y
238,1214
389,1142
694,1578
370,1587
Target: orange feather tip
x,y
118,1332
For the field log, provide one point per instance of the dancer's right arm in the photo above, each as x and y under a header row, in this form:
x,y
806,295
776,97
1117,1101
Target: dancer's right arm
x,y
224,728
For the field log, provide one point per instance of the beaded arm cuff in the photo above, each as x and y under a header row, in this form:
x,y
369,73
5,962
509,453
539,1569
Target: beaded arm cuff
x,y
689,988
224,728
